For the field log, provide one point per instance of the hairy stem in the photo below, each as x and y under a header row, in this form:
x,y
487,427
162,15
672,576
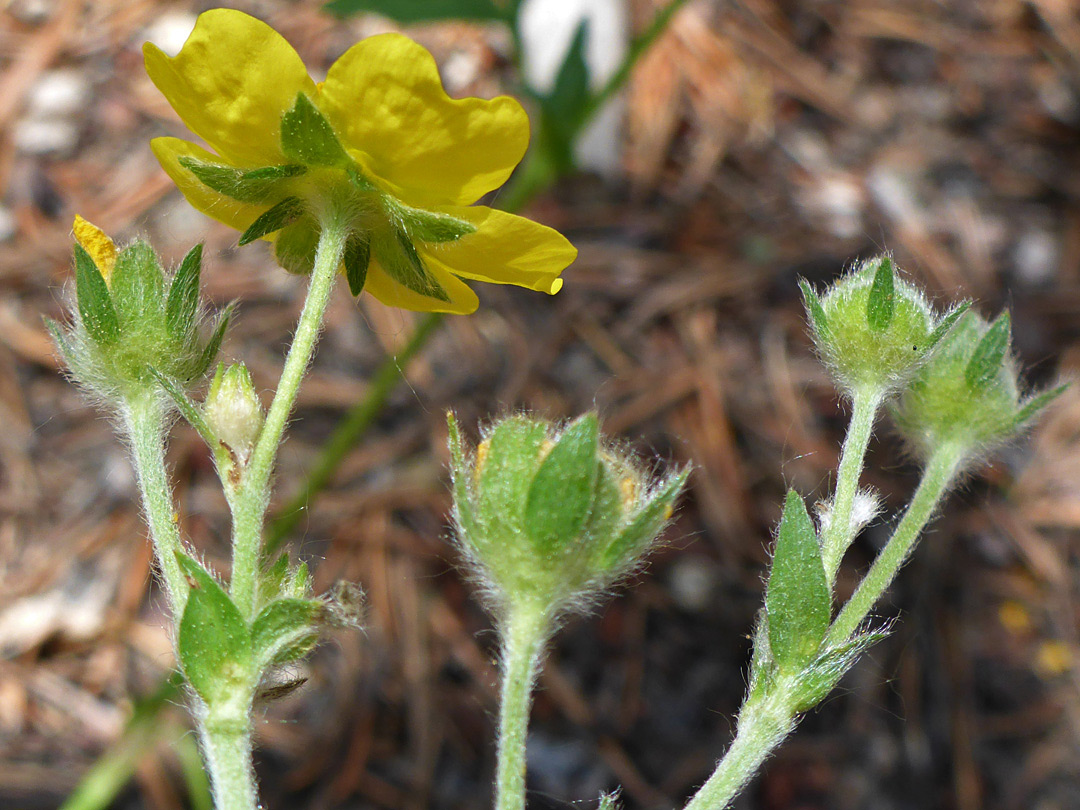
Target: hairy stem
x,y
523,637
254,496
764,722
226,747
839,535
348,431
143,417
937,477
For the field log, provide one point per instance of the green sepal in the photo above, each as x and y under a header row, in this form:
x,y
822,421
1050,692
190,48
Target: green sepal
x,y
989,354
396,254
213,345
137,283
299,584
946,325
246,185
357,258
282,629
188,409
59,338
647,523
428,226
797,598
183,301
308,138
213,641
881,303
274,219
461,472
1035,404
813,306
561,493
762,665
272,580
95,303
361,183
296,245
505,475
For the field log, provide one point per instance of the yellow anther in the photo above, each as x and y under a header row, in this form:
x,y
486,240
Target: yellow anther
x,y
97,243
628,486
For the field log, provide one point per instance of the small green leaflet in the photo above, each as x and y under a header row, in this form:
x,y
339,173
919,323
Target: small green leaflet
x,y
560,496
989,354
882,301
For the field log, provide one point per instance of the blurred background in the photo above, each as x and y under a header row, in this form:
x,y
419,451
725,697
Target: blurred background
x,y
754,142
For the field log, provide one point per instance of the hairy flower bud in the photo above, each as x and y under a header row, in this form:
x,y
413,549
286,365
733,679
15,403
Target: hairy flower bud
x,y
968,395
549,515
232,409
872,328
133,324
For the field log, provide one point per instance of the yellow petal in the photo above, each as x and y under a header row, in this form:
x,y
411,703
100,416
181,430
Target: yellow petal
x,y
505,249
231,83
462,300
232,212
97,243
385,99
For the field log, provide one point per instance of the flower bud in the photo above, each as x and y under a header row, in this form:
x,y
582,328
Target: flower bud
x,y
132,323
549,515
968,394
872,328
232,409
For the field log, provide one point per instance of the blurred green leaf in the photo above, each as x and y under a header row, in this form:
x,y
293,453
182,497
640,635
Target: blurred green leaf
x,y
567,106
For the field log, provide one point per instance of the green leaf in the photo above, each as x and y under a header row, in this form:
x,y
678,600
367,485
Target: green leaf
x,y
280,626
213,641
882,301
1033,406
397,255
246,185
946,325
819,678
560,496
428,226
274,219
357,258
414,11
813,306
183,301
213,346
308,138
647,523
797,598
137,282
989,354
95,303
296,245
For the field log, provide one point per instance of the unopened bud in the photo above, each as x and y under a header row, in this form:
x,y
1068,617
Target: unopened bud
x,y
233,410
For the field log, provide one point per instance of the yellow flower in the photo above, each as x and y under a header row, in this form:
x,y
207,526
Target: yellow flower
x,y
378,139
98,244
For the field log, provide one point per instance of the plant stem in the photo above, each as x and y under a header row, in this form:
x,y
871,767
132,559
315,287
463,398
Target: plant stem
x,y
347,433
226,748
939,474
143,417
763,725
864,407
523,637
254,496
